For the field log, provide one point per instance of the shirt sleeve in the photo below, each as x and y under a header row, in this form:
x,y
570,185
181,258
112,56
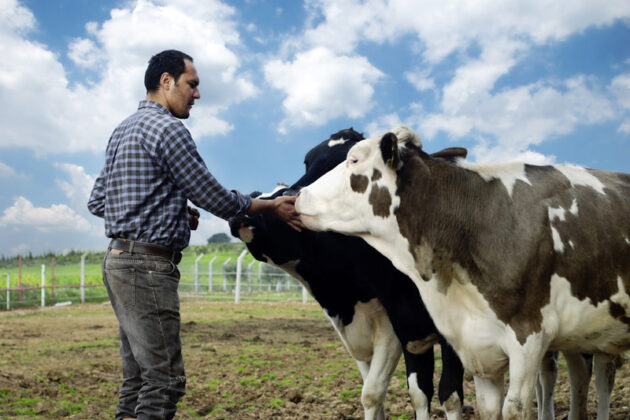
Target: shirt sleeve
x,y
96,202
190,174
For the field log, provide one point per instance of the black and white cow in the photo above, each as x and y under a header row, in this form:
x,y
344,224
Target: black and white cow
x,y
511,260
372,306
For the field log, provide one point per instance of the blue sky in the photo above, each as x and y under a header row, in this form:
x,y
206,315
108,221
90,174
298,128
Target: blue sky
x,y
534,80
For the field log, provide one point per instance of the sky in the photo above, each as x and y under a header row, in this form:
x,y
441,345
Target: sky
x,y
541,81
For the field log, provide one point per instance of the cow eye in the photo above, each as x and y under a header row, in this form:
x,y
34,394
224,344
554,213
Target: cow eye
x,y
352,160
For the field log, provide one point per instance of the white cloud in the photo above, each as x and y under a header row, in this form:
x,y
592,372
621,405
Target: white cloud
x,y
446,26
321,85
502,32
620,87
84,53
383,124
14,17
79,186
527,115
6,171
56,218
76,117
483,152
420,80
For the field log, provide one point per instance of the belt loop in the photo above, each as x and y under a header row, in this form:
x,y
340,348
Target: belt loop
x,y
131,243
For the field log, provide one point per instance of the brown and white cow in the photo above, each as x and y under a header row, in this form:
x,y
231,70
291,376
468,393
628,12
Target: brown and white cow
x,y
511,260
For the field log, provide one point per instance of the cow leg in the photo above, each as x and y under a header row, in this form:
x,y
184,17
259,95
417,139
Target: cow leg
x,y
387,350
420,381
547,376
489,393
376,413
524,364
605,370
451,388
579,378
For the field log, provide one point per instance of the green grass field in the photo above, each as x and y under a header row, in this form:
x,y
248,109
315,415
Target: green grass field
x,y
67,277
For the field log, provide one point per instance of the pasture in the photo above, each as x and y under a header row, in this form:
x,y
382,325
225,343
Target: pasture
x,y
248,361
202,267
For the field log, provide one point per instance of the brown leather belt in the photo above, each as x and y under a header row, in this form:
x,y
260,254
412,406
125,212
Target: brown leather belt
x,y
145,248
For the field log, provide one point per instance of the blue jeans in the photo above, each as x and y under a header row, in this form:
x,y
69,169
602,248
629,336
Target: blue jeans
x,y
143,292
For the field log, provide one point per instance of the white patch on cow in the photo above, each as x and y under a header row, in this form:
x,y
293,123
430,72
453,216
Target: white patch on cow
x,y
628,241
558,246
333,143
419,400
279,186
571,244
556,213
621,297
560,215
507,173
580,325
359,334
578,175
290,267
405,134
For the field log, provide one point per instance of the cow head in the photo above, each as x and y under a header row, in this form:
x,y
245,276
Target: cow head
x,y
269,238
359,195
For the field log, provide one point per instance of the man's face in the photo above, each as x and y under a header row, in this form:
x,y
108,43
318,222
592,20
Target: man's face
x,y
181,95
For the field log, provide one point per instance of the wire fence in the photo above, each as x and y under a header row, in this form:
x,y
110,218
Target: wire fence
x,y
229,280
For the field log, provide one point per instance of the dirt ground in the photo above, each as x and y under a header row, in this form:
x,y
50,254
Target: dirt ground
x,y
246,361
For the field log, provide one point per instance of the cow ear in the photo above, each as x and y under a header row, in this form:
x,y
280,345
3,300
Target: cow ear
x,y
390,152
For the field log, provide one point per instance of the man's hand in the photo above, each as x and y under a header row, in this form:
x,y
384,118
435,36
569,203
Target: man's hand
x,y
193,218
284,209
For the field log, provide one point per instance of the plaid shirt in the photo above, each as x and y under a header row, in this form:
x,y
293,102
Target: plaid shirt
x,y
152,168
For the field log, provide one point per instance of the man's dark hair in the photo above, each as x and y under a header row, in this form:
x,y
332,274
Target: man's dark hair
x,y
169,61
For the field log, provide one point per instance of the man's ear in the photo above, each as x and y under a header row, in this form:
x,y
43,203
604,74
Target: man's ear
x,y
166,79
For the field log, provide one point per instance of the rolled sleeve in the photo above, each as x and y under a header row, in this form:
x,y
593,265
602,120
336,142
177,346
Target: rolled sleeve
x,y
190,174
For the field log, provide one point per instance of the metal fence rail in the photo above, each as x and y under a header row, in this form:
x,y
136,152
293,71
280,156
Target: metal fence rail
x,y
225,282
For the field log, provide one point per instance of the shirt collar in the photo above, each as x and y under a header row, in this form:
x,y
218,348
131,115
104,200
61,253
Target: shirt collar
x,y
152,105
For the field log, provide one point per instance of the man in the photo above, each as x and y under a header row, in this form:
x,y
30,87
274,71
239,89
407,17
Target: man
x,y
152,168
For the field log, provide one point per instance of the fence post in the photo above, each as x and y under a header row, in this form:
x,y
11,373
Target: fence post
x,y
210,273
82,289
52,281
43,285
239,266
304,294
20,281
249,276
260,282
224,274
197,272
8,291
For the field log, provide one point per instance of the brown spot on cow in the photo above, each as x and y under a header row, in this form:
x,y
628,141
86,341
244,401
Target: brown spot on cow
x,y
422,346
359,183
376,175
381,200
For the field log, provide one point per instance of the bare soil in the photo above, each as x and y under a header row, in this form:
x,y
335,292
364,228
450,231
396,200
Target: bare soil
x,y
246,361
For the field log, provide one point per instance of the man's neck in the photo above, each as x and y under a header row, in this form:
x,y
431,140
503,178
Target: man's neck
x,y
157,97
